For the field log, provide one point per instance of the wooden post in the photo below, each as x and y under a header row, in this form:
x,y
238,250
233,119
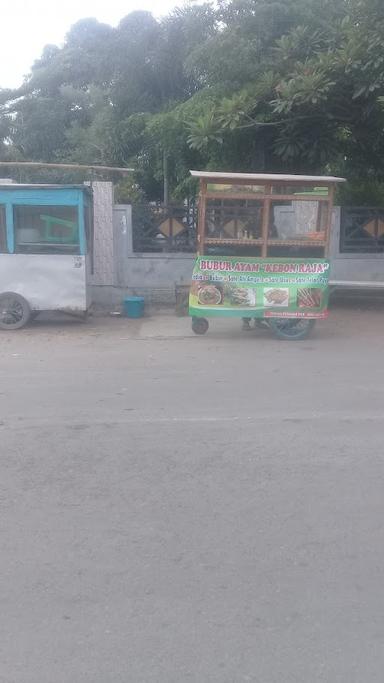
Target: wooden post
x,y
329,220
201,218
265,222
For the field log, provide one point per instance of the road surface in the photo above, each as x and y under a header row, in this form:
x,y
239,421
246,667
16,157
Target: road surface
x,y
177,508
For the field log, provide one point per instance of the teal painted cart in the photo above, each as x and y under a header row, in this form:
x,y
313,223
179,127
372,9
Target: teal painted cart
x,y
46,243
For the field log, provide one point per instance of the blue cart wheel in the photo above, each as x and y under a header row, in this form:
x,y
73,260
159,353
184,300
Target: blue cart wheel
x,y
292,329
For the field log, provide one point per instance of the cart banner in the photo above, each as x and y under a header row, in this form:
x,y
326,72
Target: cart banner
x,y
259,288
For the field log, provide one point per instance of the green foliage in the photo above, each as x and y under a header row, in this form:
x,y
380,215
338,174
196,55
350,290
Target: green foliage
x,y
361,193
204,130
127,191
243,85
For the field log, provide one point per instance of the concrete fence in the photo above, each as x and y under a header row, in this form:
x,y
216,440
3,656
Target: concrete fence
x,y
120,272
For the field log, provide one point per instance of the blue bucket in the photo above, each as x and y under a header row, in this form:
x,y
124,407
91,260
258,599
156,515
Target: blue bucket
x,y
134,306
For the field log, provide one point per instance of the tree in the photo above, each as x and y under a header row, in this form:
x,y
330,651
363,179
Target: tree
x,y
314,100
245,85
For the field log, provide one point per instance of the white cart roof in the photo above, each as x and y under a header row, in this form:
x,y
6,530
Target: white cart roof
x,y
273,177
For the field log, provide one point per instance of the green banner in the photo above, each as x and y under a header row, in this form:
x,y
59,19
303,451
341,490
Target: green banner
x,y
259,288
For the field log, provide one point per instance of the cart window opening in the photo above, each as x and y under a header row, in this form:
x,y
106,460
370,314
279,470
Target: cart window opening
x,y
362,230
46,230
308,190
298,220
239,219
219,188
287,251
247,250
3,231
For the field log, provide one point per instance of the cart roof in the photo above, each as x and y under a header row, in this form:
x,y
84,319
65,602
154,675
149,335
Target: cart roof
x,y
274,177
41,186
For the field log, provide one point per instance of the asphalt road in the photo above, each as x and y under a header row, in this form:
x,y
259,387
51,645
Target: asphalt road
x,y
176,508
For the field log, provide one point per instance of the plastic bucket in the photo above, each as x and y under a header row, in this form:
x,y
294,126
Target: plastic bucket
x,y
134,306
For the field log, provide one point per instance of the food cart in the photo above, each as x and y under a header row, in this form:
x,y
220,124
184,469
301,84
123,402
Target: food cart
x,y
45,251
263,249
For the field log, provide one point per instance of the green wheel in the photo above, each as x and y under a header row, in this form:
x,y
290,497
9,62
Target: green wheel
x,y
292,329
200,325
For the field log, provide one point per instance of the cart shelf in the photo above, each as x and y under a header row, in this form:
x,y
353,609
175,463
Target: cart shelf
x,y
217,241
296,243
229,242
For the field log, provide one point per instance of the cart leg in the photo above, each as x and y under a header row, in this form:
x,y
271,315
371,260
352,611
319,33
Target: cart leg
x,y
261,324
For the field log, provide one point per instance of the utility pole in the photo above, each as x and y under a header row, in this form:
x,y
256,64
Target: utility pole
x,y
165,177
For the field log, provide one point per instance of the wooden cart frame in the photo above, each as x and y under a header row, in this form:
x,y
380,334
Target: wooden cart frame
x,y
267,189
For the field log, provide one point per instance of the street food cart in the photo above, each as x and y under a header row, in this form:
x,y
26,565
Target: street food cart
x,y
263,249
45,251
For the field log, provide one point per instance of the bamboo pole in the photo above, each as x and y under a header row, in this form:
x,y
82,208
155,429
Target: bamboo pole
x,y
265,222
73,167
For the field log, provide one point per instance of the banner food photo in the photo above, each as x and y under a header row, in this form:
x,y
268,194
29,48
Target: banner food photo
x,y
259,288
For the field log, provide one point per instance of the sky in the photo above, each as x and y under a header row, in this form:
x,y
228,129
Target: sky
x,y
27,25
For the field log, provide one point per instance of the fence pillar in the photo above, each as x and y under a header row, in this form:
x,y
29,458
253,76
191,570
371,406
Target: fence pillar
x,y
103,237
123,244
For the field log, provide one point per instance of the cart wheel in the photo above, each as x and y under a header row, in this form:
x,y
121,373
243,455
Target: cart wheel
x,y
291,328
14,311
200,325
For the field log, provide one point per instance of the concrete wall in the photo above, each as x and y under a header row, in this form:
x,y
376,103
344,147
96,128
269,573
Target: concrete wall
x,y
362,270
153,276
120,272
